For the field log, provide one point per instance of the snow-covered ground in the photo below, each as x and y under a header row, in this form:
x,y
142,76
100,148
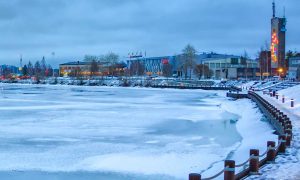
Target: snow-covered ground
x,y
287,166
68,132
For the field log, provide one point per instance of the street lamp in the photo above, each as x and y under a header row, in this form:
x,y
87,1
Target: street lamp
x,y
280,70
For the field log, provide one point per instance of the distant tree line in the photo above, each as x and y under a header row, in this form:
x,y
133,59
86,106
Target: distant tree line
x,y
39,70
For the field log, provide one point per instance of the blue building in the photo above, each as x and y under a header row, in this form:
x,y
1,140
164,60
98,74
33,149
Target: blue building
x,y
8,69
153,65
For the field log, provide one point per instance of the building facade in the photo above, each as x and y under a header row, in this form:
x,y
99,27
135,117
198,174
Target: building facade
x,y
153,65
83,68
74,68
222,66
265,65
8,70
294,68
278,33
233,67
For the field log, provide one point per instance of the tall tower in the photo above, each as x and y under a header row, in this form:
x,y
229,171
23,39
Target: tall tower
x,y
278,30
21,64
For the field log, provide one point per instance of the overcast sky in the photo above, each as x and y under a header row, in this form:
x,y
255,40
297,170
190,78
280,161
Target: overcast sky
x,y
73,28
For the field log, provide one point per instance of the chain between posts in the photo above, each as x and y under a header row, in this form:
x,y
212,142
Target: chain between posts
x,y
218,174
244,163
268,149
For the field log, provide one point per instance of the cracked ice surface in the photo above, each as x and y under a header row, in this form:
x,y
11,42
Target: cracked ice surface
x,y
68,132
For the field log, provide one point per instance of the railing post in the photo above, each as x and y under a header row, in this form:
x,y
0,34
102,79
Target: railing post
x,y
254,161
283,99
292,102
283,144
277,95
271,151
229,171
288,135
194,176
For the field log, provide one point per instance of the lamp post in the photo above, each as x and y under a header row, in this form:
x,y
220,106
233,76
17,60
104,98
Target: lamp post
x,y
280,70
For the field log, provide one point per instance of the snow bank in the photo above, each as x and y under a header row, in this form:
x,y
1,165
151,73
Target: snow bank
x,y
286,166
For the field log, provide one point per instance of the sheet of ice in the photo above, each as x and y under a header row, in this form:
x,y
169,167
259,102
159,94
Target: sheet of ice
x,y
127,132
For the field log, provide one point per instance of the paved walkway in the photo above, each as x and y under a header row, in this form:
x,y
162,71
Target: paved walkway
x,y
286,166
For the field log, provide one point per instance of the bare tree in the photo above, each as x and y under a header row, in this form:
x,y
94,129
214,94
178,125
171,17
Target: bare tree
x,y
90,58
43,67
30,69
203,70
112,60
137,68
267,46
187,60
167,70
25,70
94,69
6,72
244,59
37,71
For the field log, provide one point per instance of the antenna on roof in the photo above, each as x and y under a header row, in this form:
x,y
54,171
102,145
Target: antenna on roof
x,y
274,10
284,11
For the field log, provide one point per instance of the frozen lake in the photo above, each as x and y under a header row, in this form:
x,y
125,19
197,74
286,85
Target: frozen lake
x,y
68,132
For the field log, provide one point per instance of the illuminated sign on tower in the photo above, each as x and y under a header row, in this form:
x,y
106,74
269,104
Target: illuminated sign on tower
x,y
274,47
278,30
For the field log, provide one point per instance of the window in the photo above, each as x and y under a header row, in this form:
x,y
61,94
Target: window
x,y
234,60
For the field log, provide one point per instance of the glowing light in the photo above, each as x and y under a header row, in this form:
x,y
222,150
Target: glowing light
x,y
274,47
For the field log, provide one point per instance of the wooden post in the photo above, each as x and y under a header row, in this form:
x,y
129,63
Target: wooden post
x,y
229,172
271,151
283,143
281,120
194,176
254,161
288,140
288,137
289,126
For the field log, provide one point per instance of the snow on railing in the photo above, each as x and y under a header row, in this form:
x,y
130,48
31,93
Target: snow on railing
x,y
252,164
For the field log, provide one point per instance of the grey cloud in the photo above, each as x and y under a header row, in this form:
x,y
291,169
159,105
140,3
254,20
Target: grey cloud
x,y
77,27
